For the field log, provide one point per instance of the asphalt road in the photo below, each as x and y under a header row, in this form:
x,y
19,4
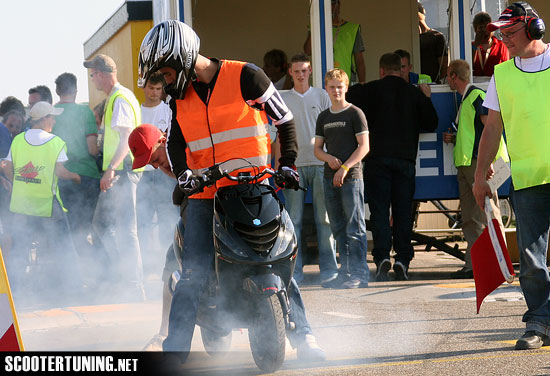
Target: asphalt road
x,y
424,326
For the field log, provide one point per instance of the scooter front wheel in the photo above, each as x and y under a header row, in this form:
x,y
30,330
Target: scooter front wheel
x,y
267,334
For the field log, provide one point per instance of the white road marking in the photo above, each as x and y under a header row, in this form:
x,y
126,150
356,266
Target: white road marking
x,y
345,315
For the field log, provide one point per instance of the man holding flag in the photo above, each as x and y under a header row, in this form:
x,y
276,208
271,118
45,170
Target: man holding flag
x,y
517,101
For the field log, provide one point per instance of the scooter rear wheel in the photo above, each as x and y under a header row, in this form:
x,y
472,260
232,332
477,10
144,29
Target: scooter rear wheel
x,y
267,334
215,344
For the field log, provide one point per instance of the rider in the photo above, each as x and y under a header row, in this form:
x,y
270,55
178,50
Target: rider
x,y
216,117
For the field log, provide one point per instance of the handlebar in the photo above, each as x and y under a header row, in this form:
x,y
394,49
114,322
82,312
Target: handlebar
x,y
211,175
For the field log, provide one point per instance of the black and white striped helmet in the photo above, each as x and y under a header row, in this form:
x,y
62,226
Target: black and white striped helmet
x,y
169,44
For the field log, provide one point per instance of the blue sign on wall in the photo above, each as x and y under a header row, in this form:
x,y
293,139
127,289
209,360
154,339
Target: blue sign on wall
x,y
435,169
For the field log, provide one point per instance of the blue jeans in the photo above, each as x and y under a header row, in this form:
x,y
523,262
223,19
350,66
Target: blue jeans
x,y
80,200
390,182
116,225
532,209
198,261
154,196
311,177
346,212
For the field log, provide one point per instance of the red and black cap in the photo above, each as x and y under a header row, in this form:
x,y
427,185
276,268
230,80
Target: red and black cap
x,y
516,12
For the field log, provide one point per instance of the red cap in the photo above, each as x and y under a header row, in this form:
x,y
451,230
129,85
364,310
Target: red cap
x,y
141,142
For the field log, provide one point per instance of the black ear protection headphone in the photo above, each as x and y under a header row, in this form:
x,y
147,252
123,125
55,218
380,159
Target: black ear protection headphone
x,y
534,26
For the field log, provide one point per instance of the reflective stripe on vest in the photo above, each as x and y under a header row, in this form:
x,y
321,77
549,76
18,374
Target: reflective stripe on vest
x,y
227,129
112,137
525,113
231,134
466,134
34,178
343,42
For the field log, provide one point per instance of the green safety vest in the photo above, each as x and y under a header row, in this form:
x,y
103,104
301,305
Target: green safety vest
x,y
343,41
112,137
525,112
465,136
34,179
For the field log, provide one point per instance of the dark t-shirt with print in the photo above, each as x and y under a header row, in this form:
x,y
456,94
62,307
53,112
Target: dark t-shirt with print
x,y
339,131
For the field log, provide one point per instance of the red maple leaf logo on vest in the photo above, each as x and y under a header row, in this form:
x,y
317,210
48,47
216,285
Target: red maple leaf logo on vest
x,y
29,171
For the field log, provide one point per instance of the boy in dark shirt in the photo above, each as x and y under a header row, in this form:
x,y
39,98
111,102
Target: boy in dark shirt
x,y
343,129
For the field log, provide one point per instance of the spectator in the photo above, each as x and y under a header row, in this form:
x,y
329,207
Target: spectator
x,y
39,93
347,44
14,121
228,109
276,66
115,215
35,162
5,140
11,103
5,188
13,117
148,145
76,126
471,119
516,99
154,191
406,70
305,103
433,49
342,128
487,50
99,109
396,112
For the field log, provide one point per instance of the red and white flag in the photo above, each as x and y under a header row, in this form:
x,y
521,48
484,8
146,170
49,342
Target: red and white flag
x,y
10,337
490,259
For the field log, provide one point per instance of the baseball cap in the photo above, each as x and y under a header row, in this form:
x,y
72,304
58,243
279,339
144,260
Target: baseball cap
x,y
42,109
141,142
516,12
102,63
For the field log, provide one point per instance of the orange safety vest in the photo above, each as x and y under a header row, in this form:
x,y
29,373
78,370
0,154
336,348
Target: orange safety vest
x,y
225,128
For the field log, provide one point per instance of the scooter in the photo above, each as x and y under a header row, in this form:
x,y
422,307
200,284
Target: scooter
x,y
255,254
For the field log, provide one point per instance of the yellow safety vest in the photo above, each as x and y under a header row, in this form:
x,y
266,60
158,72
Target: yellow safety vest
x,y
34,179
525,113
465,136
112,138
344,40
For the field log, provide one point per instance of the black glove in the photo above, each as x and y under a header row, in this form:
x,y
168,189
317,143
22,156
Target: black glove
x,y
290,178
188,182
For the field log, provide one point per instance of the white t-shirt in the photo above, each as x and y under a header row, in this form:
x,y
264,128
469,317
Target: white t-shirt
x,y
160,116
533,64
37,137
123,115
280,83
305,108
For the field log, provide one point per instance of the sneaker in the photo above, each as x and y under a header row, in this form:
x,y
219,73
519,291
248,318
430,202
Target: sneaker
x,y
400,271
354,283
309,350
155,343
329,282
334,283
532,340
382,270
462,274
